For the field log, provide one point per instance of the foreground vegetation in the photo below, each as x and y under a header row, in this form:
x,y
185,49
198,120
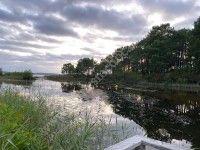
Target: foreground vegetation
x,y
165,55
26,75
29,124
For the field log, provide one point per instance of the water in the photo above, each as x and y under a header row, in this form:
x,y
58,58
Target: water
x,y
164,115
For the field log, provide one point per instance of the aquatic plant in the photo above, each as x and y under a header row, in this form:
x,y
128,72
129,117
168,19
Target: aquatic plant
x,y
31,124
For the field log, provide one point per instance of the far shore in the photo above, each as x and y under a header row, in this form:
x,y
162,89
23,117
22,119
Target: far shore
x,y
134,86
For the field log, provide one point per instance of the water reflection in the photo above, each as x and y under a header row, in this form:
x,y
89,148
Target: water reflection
x,y
23,83
164,115
69,87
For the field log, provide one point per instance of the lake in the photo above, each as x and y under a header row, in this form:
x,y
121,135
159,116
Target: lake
x,y
169,116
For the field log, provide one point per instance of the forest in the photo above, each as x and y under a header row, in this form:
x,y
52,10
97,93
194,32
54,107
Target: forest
x,y
163,55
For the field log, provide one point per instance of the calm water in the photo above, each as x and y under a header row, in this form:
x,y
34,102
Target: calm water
x,y
167,116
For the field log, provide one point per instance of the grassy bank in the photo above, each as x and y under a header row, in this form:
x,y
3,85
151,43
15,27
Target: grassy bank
x,y
26,75
27,124
69,78
21,122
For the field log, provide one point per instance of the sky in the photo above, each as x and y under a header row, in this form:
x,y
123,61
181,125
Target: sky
x,y
41,35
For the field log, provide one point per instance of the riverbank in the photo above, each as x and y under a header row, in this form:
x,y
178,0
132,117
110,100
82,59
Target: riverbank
x,y
21,122
26,75
131,85
148,86
167,86
69,78
26,124
31,124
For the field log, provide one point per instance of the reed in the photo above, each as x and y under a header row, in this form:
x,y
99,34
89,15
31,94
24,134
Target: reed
x,y
29,124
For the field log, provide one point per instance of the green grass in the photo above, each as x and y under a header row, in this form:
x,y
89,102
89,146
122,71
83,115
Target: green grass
x,y
69,78
26,124
21,122
31,125
26,75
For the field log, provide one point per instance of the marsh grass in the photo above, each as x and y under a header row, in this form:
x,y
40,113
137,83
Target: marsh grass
x,y
21,122
26,75
27,124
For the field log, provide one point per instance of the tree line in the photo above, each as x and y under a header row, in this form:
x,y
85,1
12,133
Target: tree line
x,y
84,66
25,75
163,55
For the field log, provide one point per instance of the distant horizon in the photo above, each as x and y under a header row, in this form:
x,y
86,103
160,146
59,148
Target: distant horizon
x,y
34,72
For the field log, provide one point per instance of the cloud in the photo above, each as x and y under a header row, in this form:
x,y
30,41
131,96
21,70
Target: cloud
x,y
33,31
30,37
24,44
37,62
10,17
99,17
170,8
46,25
92,52
54,29
52,26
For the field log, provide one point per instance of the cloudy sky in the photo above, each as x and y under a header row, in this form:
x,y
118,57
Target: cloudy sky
x,y
41,35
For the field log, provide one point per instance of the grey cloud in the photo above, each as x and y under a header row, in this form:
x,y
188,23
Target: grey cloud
x,y
56,5
52,26
170,8
65,57
10,62
10,17
54,29
48,39
37,63
3,32
43,25
24,44
48,25
93,52
33,5
12,48
126,38
90,15
21,46
102,18
33,37
5,56
186,23
122,38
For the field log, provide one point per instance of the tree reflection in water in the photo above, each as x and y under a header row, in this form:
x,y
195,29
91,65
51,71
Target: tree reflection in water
x,y
164,115
23,83
69,87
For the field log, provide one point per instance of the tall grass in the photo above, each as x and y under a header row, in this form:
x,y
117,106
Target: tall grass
x,y
29,124
26,75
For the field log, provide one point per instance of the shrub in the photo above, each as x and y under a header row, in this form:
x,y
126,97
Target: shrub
x,y
27,75
1,72
132,77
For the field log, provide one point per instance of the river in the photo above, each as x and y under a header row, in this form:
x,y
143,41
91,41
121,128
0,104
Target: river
x,y
169,116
